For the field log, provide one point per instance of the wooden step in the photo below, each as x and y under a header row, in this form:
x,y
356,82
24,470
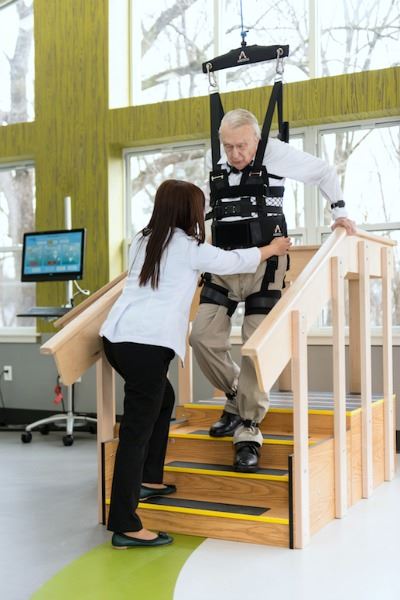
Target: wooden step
x,y
280,415
197,446
220,483
218,520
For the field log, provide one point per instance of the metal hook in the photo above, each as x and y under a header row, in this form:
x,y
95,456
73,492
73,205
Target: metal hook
x,y
279,62
212,80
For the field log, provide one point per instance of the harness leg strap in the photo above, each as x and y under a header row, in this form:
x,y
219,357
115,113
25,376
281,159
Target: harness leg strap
x,y
262,302
216,294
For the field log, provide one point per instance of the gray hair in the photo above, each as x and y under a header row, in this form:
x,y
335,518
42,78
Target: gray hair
x,y
238,118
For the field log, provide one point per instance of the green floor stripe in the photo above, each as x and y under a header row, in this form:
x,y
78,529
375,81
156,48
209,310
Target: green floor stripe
x,y
107,574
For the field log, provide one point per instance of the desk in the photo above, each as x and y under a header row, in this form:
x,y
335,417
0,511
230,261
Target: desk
x,y
45,312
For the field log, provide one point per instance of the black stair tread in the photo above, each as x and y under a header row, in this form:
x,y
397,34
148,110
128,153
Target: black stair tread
x,y
227,468
222,507
316,400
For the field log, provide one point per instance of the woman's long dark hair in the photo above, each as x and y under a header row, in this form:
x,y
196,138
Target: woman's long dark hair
x,y
177,204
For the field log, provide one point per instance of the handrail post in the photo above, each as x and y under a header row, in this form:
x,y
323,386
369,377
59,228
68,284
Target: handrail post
x,y
105,397
300,429
387,356
185,376
354,337
365,365
339,386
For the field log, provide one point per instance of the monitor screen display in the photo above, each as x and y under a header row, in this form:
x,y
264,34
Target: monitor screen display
x,y
53,255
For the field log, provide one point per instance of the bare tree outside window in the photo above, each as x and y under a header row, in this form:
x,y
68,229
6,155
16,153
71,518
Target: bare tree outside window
x,y
16,62
17,183
176,39
358,35
370,178
355,35
147,170
267,23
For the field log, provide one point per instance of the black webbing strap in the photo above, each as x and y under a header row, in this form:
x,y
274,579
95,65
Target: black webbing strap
x,y
248,190
269,276
261,302
216,294
275,99
244,208
216,114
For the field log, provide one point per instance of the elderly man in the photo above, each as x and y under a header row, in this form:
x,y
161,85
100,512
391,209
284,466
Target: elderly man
x,y
242,217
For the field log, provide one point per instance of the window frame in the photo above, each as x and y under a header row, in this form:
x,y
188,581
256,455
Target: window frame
x,y
17,334
313,206
312,52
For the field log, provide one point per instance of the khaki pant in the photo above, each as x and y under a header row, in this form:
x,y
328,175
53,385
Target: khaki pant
x,y
210,342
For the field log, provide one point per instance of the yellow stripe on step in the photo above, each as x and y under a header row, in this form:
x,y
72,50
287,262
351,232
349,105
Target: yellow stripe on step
x,y
226,473
202,436
213,513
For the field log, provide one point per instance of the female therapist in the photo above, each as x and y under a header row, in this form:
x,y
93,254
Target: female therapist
x,y
144,329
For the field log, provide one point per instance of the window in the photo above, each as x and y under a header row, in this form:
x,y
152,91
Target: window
x,y
358,35
17,210
16,61
146,169
367,157
268,23
172,38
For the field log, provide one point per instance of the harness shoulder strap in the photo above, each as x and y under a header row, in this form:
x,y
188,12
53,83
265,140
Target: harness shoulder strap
x,y
275,99
216,113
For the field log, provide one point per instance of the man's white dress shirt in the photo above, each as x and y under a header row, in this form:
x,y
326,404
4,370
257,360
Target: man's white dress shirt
x,y
283,160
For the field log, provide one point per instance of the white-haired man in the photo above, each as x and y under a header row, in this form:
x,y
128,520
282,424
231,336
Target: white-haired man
x,y
246,220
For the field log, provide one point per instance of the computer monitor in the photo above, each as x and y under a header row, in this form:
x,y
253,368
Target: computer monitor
x,y
53,255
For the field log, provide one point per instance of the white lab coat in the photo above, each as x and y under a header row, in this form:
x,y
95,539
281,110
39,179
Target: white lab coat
x,y
160,317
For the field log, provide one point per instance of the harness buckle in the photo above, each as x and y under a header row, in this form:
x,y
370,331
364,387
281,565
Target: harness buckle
x,y
279,68
212,79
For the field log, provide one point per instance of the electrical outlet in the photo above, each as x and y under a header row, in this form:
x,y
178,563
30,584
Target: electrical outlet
x,y
7,372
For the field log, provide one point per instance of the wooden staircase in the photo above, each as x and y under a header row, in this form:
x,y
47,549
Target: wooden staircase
x,y
321,452
212,500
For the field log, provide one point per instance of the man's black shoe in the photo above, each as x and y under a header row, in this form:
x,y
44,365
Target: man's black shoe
x,y
247,455
226,425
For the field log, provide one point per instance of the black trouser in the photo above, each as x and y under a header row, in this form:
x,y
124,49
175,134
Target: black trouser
x,y
143,435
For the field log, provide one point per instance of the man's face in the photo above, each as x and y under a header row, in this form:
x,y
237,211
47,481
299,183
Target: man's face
x,y
240,145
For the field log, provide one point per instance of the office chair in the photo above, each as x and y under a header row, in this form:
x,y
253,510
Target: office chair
x,y
72,419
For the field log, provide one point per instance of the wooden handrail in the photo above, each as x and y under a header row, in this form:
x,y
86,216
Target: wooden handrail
x,y
309,293
359,257
78,345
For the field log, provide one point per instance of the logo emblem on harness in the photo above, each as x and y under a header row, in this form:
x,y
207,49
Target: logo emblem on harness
x,y
242,57
277,230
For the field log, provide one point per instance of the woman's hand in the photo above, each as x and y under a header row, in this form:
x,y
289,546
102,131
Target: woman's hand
x,y
278,247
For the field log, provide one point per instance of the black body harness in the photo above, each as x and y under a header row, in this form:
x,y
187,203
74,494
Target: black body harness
x,y
258,204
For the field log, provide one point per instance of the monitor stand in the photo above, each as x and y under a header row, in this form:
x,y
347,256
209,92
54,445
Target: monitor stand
x,y
71,418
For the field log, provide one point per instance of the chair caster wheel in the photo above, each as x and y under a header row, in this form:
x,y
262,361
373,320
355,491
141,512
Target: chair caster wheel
x,y
92,429
26,437
68,440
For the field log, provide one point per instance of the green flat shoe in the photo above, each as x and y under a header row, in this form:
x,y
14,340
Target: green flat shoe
x,y
147,492
120,541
